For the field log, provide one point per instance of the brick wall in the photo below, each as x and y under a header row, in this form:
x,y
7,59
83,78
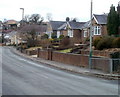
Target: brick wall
x,y
101,64
97,53
75,59
32,52
43,54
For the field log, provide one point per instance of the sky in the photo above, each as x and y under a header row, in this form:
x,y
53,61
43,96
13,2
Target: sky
x,y
60,9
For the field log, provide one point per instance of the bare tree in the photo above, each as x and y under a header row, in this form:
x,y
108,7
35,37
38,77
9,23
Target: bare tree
x,y
36,19
30,33
49,16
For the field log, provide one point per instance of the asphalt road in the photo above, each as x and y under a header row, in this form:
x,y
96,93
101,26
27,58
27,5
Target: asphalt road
x,y
21,76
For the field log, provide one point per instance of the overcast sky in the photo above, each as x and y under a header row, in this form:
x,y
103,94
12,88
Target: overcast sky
x,y
60,9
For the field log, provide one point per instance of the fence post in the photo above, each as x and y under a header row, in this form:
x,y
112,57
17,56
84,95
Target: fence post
x,y
49,54
111,66
38,50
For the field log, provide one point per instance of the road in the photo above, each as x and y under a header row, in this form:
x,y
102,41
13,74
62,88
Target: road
x,y
21,76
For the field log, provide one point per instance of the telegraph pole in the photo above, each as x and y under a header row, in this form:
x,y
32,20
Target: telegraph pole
x,y
90,53
22,15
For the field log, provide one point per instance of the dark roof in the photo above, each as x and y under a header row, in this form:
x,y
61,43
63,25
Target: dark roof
x,y
101,19
86,25
56,24
76,25
73,25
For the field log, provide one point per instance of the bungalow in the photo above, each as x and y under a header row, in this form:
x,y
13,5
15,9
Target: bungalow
x,y
66,28
52,27
71,29
11,24
99,27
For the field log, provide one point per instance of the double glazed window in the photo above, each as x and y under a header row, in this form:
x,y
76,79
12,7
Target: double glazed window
x,y
70,33
85,33
97,30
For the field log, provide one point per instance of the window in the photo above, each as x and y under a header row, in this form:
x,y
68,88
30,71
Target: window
x,y
70,33
58,34
85,33
97,30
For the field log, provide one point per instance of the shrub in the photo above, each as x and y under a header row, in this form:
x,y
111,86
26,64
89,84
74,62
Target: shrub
x,y
45,36
54,35
87,39
61,37
95,41
45,43
116,42
105,42
65,41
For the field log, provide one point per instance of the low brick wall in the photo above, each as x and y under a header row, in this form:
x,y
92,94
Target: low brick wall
x,y
96,53
73,59
43,54
2,44
28,52
31,52
76,59
101,64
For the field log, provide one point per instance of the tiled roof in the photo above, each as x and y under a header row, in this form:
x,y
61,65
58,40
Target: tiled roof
x,y
101,19
73,25
62,27
56,24
11,22
86,25
76,25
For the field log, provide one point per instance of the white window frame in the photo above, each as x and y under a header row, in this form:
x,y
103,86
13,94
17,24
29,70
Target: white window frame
x,y
85,33
58,34
97,30
70,33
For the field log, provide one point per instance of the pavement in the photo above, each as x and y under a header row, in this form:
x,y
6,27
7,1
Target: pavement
x,y
70,68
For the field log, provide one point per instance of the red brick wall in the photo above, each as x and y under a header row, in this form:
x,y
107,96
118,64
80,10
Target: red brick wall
x,y
32,52
73,59
43,54
101,64
96,53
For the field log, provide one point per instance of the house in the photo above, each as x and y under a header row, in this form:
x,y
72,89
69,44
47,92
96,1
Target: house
x,y
71,29
66,28
99,24
52,27
11,24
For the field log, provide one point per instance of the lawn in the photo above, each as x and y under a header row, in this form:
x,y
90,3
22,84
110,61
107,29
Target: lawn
x,y
33,48
66,50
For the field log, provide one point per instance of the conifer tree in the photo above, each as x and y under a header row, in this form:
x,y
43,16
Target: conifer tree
x,y
113,21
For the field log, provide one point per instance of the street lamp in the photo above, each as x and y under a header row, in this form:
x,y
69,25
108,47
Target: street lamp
x,y
90,54
22,15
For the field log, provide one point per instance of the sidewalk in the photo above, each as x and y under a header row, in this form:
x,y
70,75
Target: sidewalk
x,y
71,68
